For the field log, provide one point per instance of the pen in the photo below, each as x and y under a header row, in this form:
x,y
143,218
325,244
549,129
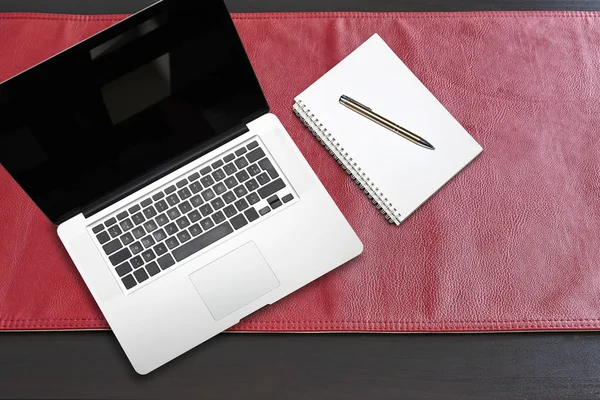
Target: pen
x,y
386,123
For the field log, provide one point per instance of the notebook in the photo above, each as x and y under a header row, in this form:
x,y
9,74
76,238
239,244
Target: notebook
x,y
396,174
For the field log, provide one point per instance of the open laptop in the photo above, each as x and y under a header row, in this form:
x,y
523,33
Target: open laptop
x,y
184,204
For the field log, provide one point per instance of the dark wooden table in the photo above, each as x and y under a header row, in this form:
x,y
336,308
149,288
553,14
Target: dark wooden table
x,y
308,366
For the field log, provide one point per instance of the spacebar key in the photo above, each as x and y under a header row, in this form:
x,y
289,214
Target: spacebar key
x,y
202,241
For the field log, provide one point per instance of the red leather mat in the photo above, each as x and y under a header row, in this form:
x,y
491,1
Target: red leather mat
x,y
512,243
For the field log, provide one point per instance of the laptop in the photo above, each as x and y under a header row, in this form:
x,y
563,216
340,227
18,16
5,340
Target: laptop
x,y
184,204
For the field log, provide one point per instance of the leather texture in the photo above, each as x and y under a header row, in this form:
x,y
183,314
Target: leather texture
x,y
511,243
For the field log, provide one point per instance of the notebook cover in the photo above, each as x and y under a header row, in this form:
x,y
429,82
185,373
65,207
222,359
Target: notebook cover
x,y
511,243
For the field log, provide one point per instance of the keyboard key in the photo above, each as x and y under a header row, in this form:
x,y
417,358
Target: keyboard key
x,y
128,281
241,151
103,237
97,228
159,235
148,241
171,229
241,162
196,187
184,193
253,198
229,197
160,249
150,226
217,164
266,165
152,268
138,218
271,188
206,224
287,198
126,225
193,176
185,207
252,145
173,213
206,210
148,255
183,222
218,175
137,262
207,181
208,194
205,170
230,211
183,236
136,247
265,210
202,241
194,216
110,221
120,256
220,188
242,176
276,204
165,261
195,230
140,275
251,214
150,212
123,269
134,209
173,199
230,169
122,215
218,217
197,200
146,202
238,221
162,219
182,183
112,246
240,191
230,182
158,196
170,189
172,242
138,232
263,178
127,239
255,155
272,199
253,170
229,157
252,185
241,204
161,206
217,203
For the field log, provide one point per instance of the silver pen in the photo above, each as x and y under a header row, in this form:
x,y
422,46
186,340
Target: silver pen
x,y
386,123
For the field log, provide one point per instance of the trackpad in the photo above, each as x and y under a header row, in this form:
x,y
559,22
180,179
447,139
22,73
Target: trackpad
x,y
234,280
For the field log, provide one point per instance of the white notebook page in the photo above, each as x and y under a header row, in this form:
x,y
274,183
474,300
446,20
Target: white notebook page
x,y
404,172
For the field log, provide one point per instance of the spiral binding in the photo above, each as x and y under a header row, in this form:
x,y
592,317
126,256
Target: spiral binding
x,y
383,205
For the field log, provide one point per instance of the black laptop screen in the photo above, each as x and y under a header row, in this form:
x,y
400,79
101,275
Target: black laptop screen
x,y
124,103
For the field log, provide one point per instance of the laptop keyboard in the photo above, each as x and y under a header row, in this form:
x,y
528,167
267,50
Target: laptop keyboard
x,y
183,218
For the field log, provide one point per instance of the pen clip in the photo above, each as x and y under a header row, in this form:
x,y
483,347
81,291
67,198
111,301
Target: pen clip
x,y
351,100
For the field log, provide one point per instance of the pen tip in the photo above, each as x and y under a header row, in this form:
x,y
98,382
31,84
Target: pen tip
x,y
426,144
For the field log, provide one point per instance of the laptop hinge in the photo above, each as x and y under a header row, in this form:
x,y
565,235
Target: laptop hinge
x,y
164,169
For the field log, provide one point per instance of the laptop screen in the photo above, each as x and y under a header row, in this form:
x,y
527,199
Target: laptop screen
x,y
115,108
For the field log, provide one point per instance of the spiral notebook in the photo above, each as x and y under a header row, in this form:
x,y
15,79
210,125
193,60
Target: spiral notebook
x,y
396,174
